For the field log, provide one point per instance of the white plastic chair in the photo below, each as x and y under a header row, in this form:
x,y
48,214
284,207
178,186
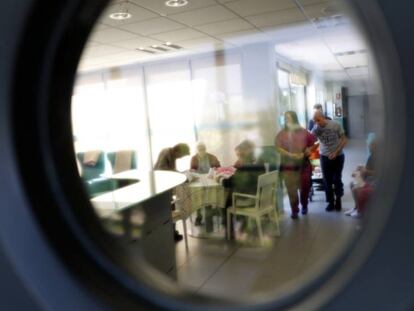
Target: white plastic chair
x,y
259,205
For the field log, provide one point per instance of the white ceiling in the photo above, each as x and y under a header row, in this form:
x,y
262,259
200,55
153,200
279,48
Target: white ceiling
x,y
216,24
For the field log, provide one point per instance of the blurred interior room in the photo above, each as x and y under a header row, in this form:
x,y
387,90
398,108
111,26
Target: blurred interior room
x,y
217,77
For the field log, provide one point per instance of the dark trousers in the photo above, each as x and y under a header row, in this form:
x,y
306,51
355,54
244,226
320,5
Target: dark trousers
x,y
332,176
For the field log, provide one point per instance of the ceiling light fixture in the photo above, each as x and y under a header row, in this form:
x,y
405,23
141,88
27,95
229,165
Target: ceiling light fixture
x,y
122,13
176,3
172,46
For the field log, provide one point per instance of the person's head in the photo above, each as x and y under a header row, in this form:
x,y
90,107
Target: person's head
x,y
318,107
201,149
181,150
291,120
319,118
245,151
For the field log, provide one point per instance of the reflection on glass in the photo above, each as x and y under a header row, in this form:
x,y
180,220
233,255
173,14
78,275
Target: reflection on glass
x,y
228,85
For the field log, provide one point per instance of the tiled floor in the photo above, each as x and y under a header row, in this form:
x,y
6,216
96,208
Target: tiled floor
x,y
233,269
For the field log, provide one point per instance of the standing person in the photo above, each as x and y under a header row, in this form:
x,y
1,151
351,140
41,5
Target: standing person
x,y
166,162
294,143
332,140
168,156
316,107
203,161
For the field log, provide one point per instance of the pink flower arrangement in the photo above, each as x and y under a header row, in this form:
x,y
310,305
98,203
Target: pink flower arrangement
x,y
224,172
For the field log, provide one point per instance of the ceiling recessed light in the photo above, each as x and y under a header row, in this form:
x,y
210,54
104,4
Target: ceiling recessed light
x,y
141,48
122,13
173,46
176,3
154,46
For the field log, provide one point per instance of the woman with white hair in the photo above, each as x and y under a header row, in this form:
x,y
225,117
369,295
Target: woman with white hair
x,y
203,161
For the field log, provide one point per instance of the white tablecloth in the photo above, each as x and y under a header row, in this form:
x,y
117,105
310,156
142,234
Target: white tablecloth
x,y
200,193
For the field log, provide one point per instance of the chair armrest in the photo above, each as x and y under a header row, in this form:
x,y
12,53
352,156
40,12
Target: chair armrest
x,y
249,200
243,195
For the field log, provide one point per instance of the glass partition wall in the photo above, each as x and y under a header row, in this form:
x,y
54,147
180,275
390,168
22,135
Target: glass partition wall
x,y
168,77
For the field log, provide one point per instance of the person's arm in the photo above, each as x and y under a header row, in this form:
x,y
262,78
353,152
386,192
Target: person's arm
x,y
343,141
282,151
311,144
194,163
216,162
314,132
311,125
292,155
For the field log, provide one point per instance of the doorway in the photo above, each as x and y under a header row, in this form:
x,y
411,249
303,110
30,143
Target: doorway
x,y
357,107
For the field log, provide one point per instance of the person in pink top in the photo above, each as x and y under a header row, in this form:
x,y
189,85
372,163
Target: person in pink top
x,y
294,143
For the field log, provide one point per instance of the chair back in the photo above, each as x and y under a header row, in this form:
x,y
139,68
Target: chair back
x,y
122,160
91,172
266,189
183,199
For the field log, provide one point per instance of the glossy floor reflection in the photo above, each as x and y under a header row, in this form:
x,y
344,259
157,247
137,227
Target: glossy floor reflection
x,y
232,269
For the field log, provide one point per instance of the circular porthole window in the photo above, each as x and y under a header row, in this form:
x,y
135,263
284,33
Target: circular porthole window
x,y
220,154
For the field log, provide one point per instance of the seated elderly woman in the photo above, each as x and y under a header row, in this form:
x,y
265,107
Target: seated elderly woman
x,y
246,176
364,180
203,161
248,170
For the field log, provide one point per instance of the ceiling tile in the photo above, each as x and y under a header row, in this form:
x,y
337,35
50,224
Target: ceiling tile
x,y
244,37
254,7
91,43
308,2
311,53
232,25
194,43
204,16
335,75
358,72
111,35
179,35
354,60
153,26
320,10
101,50
290,32
277,18
100,26
160,7
136,43
226,1
343,39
